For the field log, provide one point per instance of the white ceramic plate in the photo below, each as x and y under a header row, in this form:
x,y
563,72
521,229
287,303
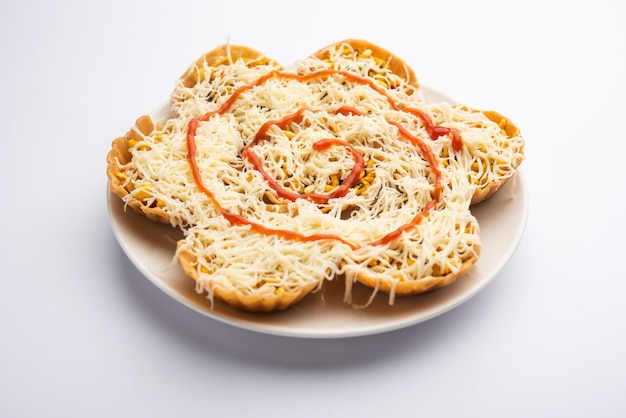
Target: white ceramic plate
x,y
502,219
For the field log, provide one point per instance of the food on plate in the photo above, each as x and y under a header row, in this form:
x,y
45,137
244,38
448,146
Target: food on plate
x,y
125,181
282,179
493,147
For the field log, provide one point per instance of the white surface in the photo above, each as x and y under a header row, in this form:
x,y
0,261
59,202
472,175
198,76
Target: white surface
x,y
85,334
502,221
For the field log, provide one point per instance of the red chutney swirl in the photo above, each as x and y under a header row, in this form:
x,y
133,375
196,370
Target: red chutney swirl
x,y
320,145
433,131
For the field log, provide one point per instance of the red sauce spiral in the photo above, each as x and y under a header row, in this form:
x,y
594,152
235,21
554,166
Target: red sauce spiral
x,y
433,131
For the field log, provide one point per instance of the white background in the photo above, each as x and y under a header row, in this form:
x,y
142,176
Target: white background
x,y
83,333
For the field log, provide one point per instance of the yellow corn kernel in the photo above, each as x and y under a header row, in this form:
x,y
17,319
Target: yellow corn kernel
x,y
160,203
133,143
475,166
289,134
328,188
438,271
260,284
279,290
393,82
294,184
204,270
144,192
334,180
346,51
253,62
380,62
367,53
480,181
361,188
262,61
373,263
502,126
382,81
121,176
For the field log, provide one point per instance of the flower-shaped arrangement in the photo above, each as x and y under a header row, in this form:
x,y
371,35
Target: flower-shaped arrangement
x,y
333,169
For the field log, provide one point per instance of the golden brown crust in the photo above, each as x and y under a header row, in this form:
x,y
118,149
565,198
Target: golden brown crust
x,y
277,300
483,193
414,287
224,54
119,155
394,63
511,130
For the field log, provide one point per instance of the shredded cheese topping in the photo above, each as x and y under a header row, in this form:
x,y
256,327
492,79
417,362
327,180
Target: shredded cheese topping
x,y
397,182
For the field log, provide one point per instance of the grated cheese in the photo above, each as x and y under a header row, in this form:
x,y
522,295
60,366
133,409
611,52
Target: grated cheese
x,y
399,186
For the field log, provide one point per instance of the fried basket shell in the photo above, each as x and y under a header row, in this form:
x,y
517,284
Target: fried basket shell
x,y
414,287
266,302
118,156
511,130
224,54
395,63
